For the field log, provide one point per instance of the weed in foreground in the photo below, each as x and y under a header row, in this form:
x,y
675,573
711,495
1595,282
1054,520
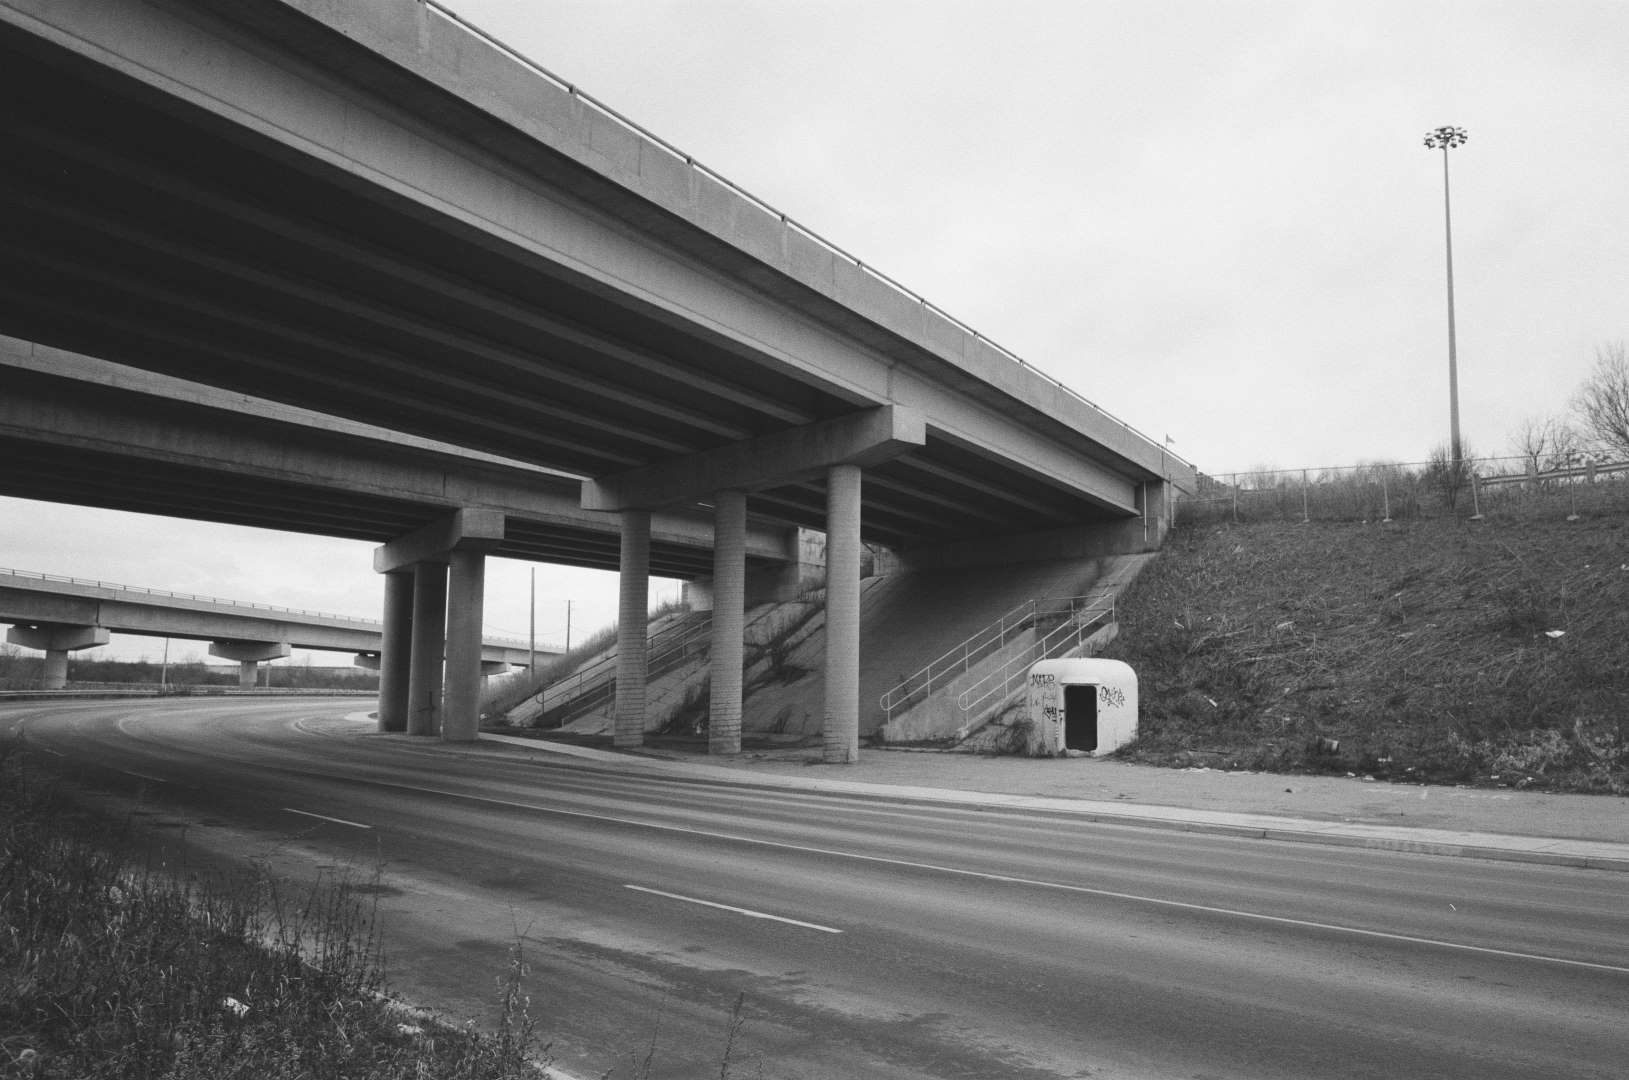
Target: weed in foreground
x,y
112,971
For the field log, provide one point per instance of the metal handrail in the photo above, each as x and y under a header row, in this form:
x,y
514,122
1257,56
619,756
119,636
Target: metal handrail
x,y
602,673
960,658
1055,642
618,118
369,624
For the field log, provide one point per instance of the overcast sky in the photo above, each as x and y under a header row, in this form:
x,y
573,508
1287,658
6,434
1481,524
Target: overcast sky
x,y
1216,220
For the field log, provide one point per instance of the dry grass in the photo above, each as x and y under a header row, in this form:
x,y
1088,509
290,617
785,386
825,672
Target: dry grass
x,y
107,970
1422,649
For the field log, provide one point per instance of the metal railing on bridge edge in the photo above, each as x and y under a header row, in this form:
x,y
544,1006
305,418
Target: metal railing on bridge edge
x,y
633,126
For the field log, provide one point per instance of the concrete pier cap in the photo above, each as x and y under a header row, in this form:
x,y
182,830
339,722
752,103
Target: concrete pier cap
x,y
864,438
56,640
459,529
249,654
57,637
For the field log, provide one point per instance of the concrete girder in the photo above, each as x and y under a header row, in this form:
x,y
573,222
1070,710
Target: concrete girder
x,y
326,245
519,363
75,404
299,346
859,439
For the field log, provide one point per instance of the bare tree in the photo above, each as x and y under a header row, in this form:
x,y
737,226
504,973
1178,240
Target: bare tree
x,y
1450,473
1602,403
1543,441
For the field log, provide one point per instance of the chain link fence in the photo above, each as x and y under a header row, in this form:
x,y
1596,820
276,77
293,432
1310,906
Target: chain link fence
x,y
1400,491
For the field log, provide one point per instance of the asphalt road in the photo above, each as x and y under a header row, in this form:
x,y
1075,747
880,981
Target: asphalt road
x,y
875,938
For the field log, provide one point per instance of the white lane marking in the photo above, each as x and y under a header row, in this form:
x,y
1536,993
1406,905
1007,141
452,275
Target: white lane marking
x,y
144,776
48,750
1158,901
325,817
748,912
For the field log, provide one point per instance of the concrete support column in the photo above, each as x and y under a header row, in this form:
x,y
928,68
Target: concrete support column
x,y
249,655
729,621
429,643
55,675
841,733
395,651
461,703
633,611
56,641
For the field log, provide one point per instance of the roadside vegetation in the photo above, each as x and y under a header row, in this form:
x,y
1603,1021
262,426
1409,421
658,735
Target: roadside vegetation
x,y
1431,648
23,670
109,969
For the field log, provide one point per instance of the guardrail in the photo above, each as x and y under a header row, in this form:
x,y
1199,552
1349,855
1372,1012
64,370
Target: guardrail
x,y
986,642
137,590
1069,635
182,691
1574,472
718,178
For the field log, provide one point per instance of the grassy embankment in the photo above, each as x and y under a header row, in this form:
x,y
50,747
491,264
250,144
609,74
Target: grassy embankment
x,y
107,970
1444,650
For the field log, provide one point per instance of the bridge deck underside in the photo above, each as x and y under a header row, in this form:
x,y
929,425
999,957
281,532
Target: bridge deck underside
x,y
144,231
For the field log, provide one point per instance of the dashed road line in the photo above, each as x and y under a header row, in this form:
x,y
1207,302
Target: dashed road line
x,y
325,817
748,912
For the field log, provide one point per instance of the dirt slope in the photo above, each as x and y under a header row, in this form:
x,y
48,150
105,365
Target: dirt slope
x,y
1492,652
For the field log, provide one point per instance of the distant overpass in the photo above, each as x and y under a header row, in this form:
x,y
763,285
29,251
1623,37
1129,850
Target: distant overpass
x,y
62,614
372,211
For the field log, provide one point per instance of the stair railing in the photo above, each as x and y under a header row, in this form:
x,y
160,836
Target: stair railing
x,y
984,643
595,684
1082,622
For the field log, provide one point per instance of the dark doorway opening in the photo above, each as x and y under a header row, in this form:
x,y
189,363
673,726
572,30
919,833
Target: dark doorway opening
x,y
1080,717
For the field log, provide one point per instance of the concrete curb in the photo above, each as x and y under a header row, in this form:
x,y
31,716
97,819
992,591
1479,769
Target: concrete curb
x,y
1550,851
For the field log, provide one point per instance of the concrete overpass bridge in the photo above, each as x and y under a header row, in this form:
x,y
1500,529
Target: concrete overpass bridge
x,y
373,212
59,615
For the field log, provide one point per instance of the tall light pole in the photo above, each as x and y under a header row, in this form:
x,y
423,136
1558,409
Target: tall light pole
x,y
1445,139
